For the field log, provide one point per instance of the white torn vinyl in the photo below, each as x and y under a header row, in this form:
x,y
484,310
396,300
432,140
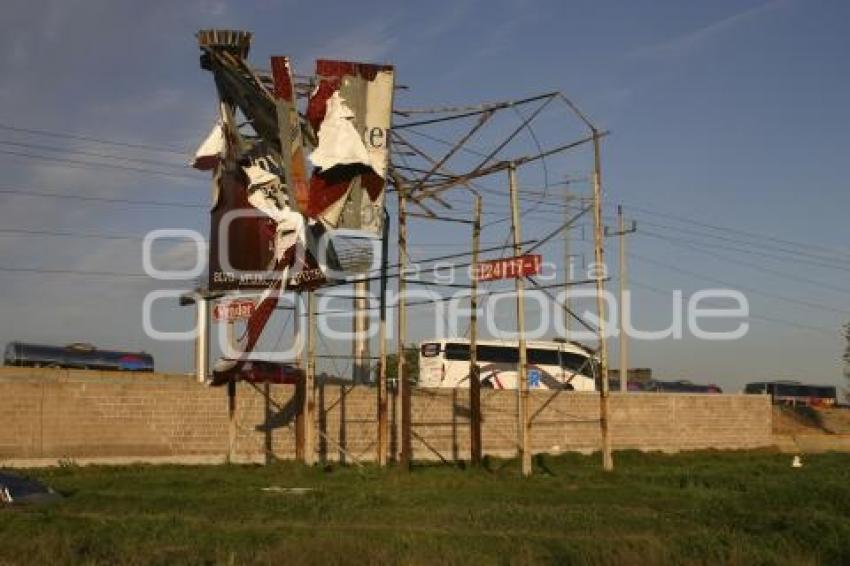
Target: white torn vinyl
x,y
266,194
339,141
211,151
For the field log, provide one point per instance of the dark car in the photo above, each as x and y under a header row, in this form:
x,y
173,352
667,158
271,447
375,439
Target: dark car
x,y
631,385
259,371
680,386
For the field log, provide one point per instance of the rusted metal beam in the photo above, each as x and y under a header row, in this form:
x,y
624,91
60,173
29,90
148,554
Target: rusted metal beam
x,y
485,117
485,108
503,165
454,177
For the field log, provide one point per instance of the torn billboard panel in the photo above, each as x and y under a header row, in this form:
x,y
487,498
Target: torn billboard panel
x,y
350,111
269,214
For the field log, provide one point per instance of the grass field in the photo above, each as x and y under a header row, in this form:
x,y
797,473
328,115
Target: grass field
x,y
698,508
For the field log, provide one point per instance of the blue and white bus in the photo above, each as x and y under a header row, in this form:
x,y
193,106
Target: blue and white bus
x,y
75,356
551,365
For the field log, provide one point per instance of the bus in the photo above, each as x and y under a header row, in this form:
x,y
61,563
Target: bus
x,y
75,356
557,364
795,393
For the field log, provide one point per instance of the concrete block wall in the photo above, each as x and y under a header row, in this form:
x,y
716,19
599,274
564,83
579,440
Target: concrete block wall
x,y
50,415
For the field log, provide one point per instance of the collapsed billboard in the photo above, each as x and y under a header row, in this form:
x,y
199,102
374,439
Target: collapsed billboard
x,y
272,224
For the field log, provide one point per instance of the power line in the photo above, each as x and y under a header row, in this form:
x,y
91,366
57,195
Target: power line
x,y
28,232
41,194
815,259
158,203
65,135
175,151
738,231
704,277
786,254
690,244
162,203
93,154
820,329
75,272
811,255
82,164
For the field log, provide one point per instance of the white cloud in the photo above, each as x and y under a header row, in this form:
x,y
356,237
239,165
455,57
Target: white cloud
x,y
158,99
448,20
370,41
686,43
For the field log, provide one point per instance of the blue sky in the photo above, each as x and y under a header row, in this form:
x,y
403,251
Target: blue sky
x,y
723,114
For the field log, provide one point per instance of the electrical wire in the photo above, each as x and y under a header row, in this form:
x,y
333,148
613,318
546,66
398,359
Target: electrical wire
x,y
28,232
820,329
82,164
705,277
78,137
55,149
655,212
692,245
42,194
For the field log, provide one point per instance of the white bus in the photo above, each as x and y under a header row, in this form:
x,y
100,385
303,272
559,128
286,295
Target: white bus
x,y
551,365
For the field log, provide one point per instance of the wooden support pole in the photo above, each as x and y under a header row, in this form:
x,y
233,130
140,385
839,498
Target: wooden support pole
x,y
402,385
231,421
296,334
522,369
309,409
599,258
268,436
383,401
475,446
300,386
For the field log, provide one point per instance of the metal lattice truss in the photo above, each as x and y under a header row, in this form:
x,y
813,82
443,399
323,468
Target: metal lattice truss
x,y
427,176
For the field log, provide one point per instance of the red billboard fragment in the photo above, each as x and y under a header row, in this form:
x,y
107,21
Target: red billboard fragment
x,y
230,311
350,111
509,268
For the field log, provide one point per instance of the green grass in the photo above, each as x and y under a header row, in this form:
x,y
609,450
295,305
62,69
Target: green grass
x,y
697,508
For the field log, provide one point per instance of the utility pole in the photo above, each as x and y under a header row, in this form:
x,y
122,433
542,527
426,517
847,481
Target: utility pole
x,y
231,421
522,369
402,385
624,339
309,409
474,377
599,258
568,264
